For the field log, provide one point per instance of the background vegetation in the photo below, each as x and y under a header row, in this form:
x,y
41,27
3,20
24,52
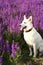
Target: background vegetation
x,y
13,48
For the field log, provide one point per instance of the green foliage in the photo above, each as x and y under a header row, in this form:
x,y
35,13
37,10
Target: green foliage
x,y
7,36
6,59
22,56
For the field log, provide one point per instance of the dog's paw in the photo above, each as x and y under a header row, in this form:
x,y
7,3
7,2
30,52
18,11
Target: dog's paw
x,y
40,55
34,56
30,54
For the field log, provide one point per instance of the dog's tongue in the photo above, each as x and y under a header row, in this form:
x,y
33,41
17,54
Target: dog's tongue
x,y
21,29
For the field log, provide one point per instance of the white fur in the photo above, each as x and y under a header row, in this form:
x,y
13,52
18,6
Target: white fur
x,y
32,37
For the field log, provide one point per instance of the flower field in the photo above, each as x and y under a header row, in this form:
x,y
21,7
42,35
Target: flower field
x,y
13,48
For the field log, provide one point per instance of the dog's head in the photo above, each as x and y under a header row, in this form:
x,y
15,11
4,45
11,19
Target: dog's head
x,y
26,23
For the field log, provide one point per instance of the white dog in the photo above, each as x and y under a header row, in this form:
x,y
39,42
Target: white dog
x,y
31,36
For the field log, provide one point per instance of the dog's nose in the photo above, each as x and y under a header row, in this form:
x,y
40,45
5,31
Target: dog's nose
x,y
20,24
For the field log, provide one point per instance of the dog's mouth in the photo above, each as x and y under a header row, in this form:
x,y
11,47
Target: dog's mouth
x,y
24,27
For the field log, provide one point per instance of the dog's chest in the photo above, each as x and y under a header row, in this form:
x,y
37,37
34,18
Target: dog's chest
x,y
32,37
28,37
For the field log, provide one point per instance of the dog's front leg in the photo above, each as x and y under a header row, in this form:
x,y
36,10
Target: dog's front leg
x,y
34,49
30,51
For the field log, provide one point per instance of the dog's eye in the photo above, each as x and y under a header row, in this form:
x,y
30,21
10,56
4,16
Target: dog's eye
x,y
24,22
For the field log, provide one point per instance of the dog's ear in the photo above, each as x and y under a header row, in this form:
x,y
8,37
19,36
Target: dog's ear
x,y
30,18
24,16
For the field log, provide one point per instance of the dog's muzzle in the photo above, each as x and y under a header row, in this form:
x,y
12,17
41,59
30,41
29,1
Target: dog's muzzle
x,y
22,27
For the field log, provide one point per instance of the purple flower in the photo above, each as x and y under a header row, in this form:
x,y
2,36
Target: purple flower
x,y
0,59
7,46
22,7
12,12
13,53
15,48
34,22
41,25
0,38
30,63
